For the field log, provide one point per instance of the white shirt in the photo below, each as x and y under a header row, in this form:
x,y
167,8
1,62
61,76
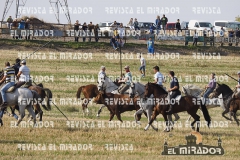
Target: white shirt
x,y
101,75
221,33
25,76
195,35
159,77
142,61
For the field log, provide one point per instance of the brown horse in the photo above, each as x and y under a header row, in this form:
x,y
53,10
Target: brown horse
x,y
186,103
118,104
234,107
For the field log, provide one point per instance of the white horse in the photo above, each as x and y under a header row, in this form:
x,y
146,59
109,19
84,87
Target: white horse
x,y
196,91
24,98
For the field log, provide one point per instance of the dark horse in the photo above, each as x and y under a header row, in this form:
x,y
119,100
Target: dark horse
x,y
234,106
187,103
227,96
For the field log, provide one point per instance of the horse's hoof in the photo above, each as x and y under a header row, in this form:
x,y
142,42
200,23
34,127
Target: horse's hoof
x,y
193,128
1,122
166,130
98,115
138,122
156,129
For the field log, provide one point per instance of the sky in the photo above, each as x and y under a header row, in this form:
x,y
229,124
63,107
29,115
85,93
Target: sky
x,y
122,10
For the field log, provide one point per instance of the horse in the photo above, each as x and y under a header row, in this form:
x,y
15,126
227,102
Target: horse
x,y
186,103
117,104
23,97
195,91
234,106
226,92
148,105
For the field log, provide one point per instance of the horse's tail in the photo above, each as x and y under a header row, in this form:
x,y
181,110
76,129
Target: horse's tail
x,y
48,97
206,114
79,91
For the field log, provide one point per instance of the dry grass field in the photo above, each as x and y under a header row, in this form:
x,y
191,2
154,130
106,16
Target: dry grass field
x,y
94,135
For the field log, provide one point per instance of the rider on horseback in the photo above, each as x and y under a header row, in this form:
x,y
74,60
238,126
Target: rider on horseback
x,y
101,73
9,79
127,80
210,87
174,88
158,77
23,75
237,94
17,65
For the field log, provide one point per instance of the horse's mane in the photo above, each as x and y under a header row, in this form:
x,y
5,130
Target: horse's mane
x,y
226,87
158,87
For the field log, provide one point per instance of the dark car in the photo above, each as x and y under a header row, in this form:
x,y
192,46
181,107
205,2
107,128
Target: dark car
x,y
170,26
146,25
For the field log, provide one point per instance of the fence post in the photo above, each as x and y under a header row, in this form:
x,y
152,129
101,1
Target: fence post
x,y
64,32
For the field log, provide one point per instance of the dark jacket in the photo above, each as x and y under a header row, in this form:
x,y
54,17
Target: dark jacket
x,y
164,20
178,26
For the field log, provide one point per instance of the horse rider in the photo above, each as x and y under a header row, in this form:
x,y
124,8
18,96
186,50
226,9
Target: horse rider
x,y
9,79
101,73
127,80
158,76
237,93
17,65
210,87
23,75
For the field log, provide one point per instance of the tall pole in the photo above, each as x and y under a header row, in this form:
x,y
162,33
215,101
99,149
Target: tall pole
x,y
17,6
120,59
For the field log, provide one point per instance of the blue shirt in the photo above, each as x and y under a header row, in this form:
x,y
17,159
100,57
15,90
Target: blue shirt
x,y
173,83
150,44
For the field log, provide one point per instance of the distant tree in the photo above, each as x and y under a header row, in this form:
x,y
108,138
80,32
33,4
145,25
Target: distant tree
x,y
237,18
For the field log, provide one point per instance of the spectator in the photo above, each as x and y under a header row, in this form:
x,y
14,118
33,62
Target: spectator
x,y
238,33
114,43
96,29
121,30
9,22
90,28
150,46
178,26
76,30
158,24
205,37
164,21
21,26
151,29
84,28
211,34
136,25
195,38
231,35
221,33
27,27
130,24
15,23
187,35
143,66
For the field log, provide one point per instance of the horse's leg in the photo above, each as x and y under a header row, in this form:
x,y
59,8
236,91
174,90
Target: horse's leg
x,y
196,119
176,116
84,105
118,114
39,111
32,113
111,116
149,113
170,121
235,118
22,113
140,111
100,110
167,129
225,112
13,111
154,115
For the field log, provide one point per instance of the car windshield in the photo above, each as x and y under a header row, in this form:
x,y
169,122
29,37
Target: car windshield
x,y
233,25
205,24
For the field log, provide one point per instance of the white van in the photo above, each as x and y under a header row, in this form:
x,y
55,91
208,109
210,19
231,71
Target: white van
x,y
199,25
227,25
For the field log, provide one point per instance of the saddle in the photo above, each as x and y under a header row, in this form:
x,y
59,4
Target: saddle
x,y
12,89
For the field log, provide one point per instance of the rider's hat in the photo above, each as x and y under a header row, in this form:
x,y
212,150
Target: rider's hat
x,y
238,72
126,67
23,61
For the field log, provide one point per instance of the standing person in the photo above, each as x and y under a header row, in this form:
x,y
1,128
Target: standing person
x,y
211,35
231,35
142,66
96,29
158,76
101,73
130,24
205,37
187,35
164,21
90,28
221,33
84,29
76,30
27,27
178,26
195,38
9,79
174,88
127,79
136,24
121,30
151,29
9,22
210,87
158,24
150,46
23,75
21,26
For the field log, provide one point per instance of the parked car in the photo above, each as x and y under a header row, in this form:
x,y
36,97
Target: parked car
x,y
146,25
184,25
199,25
227,25
107,26
170,26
